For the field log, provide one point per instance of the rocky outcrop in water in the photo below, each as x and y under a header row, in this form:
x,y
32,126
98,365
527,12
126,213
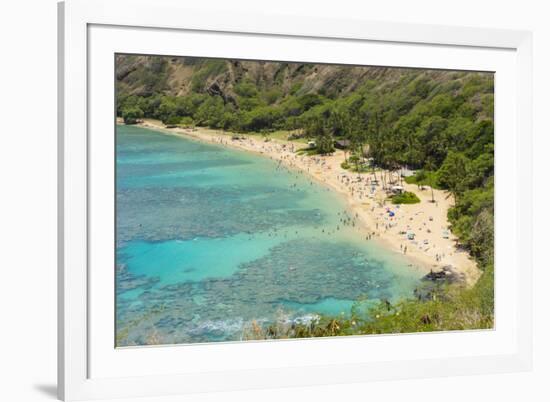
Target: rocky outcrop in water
x,y
447,274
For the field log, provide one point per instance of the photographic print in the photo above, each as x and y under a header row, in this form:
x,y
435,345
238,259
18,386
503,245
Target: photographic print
x,y
267,200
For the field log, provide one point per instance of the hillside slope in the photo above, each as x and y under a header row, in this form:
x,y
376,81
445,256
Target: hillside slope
x,y
182,76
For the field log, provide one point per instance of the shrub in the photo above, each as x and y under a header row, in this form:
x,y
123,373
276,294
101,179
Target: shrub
x,y
405,198
132,114
451,307
172,121
187,121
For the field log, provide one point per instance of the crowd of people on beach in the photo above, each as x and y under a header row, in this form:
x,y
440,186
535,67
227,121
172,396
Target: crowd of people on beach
x,y
364,192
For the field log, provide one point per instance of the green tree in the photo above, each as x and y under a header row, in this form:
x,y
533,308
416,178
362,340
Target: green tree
x,y
453,173
211,112
355,160
167,109
324,142
430,166
131,114
261,118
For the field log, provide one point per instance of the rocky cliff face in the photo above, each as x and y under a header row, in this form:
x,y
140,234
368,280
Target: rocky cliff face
x,y
146,75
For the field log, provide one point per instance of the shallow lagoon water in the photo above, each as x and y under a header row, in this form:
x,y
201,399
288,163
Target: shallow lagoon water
x,y
210,239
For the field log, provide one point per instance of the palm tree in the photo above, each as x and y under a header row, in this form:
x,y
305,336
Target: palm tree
x,y
355,159
375,141
430,167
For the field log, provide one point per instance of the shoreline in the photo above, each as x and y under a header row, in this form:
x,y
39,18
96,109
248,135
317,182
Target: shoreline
x,y
429,251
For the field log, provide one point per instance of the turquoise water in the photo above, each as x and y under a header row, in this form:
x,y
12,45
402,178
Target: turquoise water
x,y
210,239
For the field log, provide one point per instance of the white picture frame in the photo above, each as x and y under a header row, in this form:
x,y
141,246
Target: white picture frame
x,y
84,26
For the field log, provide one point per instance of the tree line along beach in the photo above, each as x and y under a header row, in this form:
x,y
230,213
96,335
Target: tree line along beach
x,y
409,153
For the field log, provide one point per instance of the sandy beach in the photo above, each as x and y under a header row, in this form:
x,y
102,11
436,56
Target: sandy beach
x,y
433,247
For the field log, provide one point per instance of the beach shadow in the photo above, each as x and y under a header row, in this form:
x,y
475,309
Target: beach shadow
x,y
49,390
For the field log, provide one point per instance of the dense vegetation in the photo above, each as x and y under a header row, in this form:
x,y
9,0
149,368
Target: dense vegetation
x,y
439,123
